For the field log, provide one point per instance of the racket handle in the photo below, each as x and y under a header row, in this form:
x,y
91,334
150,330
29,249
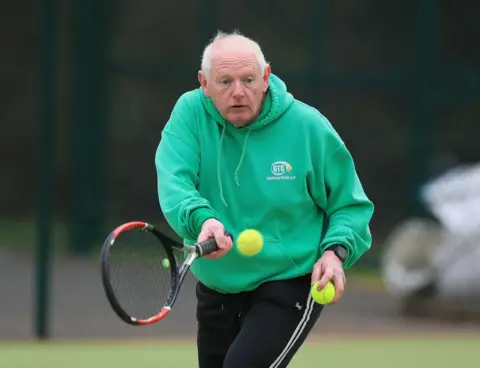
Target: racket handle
x,y
209,246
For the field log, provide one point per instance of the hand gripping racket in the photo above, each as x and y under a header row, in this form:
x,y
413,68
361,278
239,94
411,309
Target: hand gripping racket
x,y
140,274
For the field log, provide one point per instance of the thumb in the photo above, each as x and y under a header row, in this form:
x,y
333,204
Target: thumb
x,y
204,235
220,237
207,231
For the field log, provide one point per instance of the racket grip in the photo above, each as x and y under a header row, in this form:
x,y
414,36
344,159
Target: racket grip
x,y
209,246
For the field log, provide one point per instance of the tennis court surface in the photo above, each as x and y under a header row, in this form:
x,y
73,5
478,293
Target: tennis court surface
x,y
372,353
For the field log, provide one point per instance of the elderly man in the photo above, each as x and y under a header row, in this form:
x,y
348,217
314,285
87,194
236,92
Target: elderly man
x,y
240,152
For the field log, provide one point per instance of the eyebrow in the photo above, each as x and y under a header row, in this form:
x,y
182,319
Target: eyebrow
x,y
243,75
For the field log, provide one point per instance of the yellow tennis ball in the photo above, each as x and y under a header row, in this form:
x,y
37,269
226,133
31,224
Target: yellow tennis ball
x,y
324,296
166,263
249,242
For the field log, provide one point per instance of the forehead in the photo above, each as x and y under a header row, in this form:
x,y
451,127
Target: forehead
x,y
234,62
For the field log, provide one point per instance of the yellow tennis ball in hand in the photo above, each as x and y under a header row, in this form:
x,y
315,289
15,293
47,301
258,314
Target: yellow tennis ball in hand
x,y
249,242
324,296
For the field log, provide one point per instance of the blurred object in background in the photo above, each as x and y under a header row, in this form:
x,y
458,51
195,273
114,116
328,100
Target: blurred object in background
x,y
431,265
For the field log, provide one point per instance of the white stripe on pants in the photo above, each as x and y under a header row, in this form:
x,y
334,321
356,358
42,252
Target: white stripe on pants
x,y
297,333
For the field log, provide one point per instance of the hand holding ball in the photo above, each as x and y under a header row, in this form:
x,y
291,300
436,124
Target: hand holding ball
x,y
324,296
249,242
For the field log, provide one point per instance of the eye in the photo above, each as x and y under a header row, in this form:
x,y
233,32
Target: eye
x,y
249,80
224,82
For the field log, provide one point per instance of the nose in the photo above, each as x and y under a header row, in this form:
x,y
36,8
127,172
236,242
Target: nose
x,y
238,91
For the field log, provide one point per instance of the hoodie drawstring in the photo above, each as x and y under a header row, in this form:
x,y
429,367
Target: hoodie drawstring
x,y
242,156
218,167
244,149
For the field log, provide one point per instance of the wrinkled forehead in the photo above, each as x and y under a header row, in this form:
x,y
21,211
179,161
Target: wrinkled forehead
x,y
233,62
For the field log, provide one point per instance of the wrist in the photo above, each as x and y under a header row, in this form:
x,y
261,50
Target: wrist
x,y
337,250
329,253
199,217
209,221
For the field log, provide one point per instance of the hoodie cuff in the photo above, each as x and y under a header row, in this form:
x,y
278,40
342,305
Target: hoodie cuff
x,y
198,217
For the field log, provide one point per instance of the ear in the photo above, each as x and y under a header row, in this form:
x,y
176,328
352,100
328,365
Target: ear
x,y
266,77
203,83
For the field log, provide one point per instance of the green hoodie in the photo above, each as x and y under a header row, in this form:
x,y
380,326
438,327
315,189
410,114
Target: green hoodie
x,y
287,175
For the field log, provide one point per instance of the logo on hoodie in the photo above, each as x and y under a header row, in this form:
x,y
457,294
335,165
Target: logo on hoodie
x,y
281,170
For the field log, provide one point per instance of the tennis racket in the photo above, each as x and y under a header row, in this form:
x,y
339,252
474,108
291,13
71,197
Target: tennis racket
x,y
139,269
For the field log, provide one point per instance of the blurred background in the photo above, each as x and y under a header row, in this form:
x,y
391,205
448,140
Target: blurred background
x,y
87,86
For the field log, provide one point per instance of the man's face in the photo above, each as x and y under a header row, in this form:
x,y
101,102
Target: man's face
x,y
236,86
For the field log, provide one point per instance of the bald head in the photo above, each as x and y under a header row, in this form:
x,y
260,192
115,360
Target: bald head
x,y
234,45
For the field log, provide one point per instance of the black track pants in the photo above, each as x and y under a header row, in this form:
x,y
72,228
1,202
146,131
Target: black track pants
x,y
263,328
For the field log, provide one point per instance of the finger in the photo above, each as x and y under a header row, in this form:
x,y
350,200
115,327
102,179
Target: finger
x,y
226,248
229,242
326,277
213,255
217,254
339,282
222,252
221,239
317,273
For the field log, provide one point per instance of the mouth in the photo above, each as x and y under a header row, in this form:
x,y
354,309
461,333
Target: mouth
x,y
238,106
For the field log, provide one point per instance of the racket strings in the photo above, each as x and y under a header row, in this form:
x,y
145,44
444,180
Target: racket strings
x,y
140,273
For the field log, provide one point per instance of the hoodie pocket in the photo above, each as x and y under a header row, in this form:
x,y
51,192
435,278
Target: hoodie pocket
x,y
273,258
285,253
